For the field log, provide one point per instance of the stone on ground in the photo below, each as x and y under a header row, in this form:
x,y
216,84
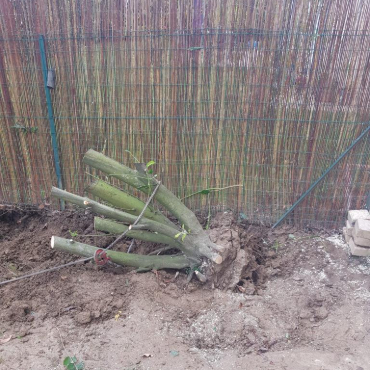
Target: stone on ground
x,y
346,234
362,229
361,242
354,215
358,251
349,227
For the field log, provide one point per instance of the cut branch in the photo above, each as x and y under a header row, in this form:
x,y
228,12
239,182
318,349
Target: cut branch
x,y
189,246
112,227
116,214
164,196
125,259
128,203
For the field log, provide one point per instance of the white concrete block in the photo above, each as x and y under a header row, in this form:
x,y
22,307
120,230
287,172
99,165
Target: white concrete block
x,y
362,229
361,242
349,228
358,251
346,236
354,215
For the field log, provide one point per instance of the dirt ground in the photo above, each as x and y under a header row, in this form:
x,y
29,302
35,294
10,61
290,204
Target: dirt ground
x,y
302,303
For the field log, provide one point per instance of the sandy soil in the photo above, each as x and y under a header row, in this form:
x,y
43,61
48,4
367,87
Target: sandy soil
x,y
302,303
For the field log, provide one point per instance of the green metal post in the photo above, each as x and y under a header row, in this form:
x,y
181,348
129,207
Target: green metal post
x,y
304,195
51,116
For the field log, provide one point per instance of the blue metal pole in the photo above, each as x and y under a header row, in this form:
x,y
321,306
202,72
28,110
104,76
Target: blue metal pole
x,y
51,115
304,195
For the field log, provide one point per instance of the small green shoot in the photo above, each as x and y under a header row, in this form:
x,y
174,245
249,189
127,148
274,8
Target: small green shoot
x,y
209,190
24,129
73,233
276,246
136,160
149,170
71,363
183,233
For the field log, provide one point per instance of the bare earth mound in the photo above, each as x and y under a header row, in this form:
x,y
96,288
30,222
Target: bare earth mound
x,y
287,300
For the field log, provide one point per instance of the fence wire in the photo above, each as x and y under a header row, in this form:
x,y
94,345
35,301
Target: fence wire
x,y
269,108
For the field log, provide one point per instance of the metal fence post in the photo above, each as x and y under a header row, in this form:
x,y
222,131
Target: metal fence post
x,y
51,116
313,186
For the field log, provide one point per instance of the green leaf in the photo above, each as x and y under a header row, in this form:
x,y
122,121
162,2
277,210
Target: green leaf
x,y
205,191
183,237
243,216
73,233
80,366
177,235
150,163
67,361
70,363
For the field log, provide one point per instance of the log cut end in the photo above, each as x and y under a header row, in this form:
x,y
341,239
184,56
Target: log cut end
x,y
217,259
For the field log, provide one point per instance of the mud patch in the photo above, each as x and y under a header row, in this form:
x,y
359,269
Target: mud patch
x,y
81,290
303,303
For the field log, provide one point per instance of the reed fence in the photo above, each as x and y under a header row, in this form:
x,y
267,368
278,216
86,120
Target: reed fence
x,y
264,94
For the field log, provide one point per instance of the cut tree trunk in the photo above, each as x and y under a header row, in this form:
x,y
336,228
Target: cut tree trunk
x,y
130,217
199,238
188,245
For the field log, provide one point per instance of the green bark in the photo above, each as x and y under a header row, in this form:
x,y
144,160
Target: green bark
x,y
113,213
126,202
114,169
112,227
125,259
188,246
163,196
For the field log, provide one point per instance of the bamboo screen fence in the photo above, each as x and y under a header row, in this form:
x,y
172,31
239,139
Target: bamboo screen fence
x,y
260,93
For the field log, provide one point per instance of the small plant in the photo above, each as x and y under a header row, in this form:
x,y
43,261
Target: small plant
x,y
73,233
145,170
276,246
24,129
183,233
150,163
210,190
71,363
117,315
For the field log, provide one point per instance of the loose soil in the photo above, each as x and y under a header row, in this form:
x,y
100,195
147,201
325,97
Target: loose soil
x,y
287,300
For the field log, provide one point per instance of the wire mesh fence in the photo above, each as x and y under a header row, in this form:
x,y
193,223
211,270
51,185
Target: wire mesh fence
x,y
269,108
